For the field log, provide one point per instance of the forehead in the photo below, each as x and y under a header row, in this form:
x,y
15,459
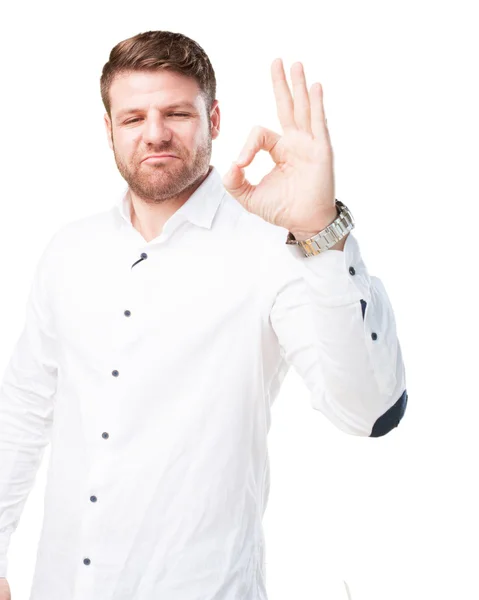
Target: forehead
x,y
158,88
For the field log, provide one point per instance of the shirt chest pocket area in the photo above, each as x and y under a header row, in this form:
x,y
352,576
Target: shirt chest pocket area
x,y
89,309
169,300
194,295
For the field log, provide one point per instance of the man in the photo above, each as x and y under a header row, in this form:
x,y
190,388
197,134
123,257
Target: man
x,y
159,332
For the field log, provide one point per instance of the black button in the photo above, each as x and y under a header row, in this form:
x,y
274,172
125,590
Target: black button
x,y
93,498
352,271
127,313
374,336
105,435
115,373
144,255
86,561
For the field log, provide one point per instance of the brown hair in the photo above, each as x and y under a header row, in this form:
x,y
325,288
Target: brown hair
x,y
154,50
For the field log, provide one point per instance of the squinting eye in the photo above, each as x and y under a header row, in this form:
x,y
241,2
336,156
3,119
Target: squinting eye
x,y
174,114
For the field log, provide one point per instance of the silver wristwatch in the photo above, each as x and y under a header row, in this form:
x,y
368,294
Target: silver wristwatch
x,y
329,236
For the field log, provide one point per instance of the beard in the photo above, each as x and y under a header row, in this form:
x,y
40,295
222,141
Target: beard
x,y
160,181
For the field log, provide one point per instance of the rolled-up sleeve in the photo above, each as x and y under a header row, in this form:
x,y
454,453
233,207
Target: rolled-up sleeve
x,y
336,327
26,407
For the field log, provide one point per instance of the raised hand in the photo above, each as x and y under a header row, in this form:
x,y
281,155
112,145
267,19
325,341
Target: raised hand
x,y
298,193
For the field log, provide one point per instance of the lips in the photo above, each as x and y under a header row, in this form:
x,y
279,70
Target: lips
x,y
159,156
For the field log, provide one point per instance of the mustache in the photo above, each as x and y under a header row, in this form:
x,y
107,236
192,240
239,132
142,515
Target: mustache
x,y
160,151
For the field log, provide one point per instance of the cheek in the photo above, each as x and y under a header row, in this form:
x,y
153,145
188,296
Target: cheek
x,y
130,149
199,137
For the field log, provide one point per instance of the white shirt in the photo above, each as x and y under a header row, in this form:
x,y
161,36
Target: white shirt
x,y
153,379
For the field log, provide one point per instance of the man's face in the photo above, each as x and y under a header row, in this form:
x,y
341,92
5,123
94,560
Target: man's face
x,y
154,126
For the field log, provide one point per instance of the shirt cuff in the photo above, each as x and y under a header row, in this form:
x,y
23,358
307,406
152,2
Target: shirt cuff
x,y
337,277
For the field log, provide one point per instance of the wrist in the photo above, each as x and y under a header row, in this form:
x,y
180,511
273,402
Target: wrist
x,y
305,234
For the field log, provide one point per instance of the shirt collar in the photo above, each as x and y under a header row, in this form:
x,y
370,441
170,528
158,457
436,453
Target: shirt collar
x,y
200,208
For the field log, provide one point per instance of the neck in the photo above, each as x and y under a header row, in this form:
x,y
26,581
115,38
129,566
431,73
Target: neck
x,y
150,218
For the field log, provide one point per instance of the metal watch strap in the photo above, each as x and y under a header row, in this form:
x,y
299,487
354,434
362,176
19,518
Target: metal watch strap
x,y
329,236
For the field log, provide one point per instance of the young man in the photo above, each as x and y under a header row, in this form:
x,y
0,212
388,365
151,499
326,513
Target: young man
x,y
159,332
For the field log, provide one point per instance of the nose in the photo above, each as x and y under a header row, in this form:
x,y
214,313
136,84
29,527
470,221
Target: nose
x,y
156,130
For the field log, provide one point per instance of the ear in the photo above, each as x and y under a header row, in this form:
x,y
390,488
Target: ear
x,y
215,118
108,130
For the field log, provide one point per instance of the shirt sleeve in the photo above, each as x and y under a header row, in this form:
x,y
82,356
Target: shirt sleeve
x,y
26,408
336,327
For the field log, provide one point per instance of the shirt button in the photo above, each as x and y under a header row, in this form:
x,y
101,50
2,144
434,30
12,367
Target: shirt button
x,y
374,336
86,561
105,435
93,498
144,255
127,313
352,271
115,373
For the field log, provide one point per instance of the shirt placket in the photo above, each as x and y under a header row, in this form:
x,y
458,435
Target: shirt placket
x,y
97,564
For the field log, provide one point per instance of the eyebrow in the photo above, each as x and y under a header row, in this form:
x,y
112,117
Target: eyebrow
x,y
128,111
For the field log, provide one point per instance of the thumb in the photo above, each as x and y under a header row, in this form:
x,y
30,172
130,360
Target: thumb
x,y
237,185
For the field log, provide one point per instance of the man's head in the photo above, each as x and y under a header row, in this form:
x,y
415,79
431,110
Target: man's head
x,y
144,77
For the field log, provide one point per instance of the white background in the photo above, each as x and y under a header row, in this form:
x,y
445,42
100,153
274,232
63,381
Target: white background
x,y
395,517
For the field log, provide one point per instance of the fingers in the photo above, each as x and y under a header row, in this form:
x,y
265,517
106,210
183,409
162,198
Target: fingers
x,y
260,138
302,111
318,118
306,111
238,186
284,99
